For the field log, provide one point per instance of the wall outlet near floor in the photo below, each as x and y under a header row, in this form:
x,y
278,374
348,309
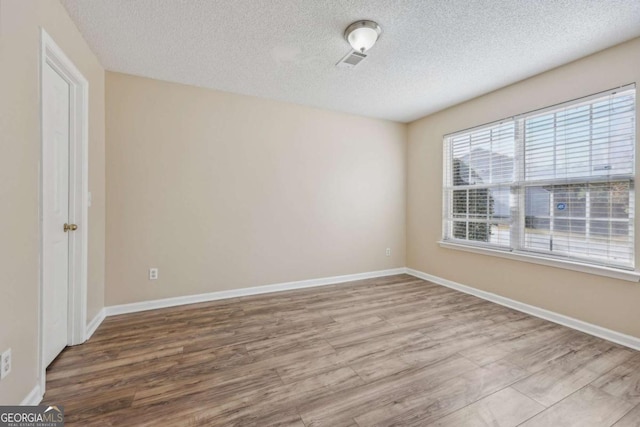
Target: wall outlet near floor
x,y
5,364
153,273
388,251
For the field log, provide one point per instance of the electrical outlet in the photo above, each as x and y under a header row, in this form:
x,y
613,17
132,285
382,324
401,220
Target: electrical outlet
x,y
388,251
5,364
153,273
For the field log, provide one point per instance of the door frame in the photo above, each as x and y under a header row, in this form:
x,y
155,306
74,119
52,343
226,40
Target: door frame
x,y
51,54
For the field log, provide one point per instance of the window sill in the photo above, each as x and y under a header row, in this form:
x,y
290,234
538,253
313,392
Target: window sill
x,y
629,275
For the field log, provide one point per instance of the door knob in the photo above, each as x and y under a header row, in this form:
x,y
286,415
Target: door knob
x,y
71,227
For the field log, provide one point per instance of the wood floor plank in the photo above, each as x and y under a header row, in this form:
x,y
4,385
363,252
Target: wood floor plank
x,y
505,408
630,419
518,339
543,353
426,405
386,351
588,407
622,381
570,373
342,408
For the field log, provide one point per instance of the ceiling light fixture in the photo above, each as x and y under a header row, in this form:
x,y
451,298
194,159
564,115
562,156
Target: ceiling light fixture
x,y
362,35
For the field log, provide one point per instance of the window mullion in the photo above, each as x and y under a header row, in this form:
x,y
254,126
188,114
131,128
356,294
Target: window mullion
x,y
555,145
447,199
517,188
587,214
551,218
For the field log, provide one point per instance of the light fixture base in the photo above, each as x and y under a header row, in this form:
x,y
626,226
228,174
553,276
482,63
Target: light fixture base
x,y
358,26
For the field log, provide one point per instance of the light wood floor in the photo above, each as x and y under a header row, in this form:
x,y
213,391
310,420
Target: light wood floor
x,y
392,351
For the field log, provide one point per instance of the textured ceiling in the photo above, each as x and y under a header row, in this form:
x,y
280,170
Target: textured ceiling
x,y
431,55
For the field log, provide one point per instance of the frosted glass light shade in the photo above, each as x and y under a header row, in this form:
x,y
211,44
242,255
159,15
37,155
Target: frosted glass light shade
x,y
362,35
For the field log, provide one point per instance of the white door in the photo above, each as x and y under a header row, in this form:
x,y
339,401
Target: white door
x,y
55,194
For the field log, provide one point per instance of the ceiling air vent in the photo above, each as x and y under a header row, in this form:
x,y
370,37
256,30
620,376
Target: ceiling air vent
x,y
352,59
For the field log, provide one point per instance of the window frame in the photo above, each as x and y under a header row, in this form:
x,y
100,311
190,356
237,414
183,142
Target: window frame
x,y
516,248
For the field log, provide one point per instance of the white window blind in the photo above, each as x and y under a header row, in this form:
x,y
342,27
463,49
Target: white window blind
x,y
557,182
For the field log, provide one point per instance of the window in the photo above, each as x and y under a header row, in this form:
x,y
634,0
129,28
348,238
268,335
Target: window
x,y
557,182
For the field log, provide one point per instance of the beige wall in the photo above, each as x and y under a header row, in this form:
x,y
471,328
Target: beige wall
x,y
606,302
222,191
19,159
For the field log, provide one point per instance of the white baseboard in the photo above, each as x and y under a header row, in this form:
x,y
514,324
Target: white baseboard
x,y
234,293
93,325
589,328
33,398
